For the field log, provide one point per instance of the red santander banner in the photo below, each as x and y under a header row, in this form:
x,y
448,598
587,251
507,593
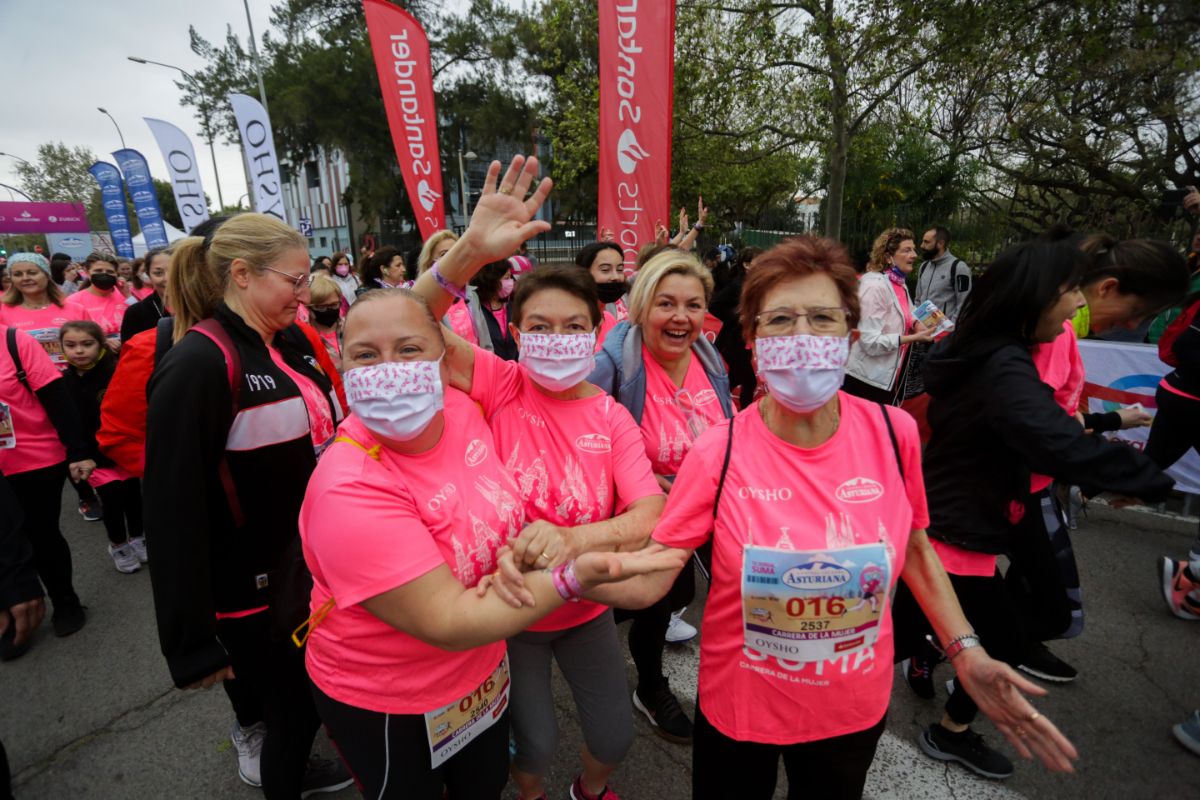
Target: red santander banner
x,y
637,87
406,79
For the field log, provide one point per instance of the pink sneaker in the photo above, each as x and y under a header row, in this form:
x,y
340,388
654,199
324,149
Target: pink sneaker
x,y
1178,588
577,792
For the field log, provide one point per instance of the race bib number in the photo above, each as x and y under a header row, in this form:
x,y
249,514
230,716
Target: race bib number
x,y
453,727
48,339
813,605
8,437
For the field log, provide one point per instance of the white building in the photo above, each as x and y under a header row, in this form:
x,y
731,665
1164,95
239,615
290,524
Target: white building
x,y
313,196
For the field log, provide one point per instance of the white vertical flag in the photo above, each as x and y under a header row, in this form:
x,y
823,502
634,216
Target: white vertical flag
x,y
177,152
259,146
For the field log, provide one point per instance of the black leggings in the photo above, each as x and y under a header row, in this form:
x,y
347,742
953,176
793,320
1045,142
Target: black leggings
x,y
274,673
122,501
1176,430
1042,577
989,609
834,768
39,491
389,755
648,633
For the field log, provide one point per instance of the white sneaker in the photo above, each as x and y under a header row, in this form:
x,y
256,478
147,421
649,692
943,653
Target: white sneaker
x,y
249,742
124,558
138,543
679,631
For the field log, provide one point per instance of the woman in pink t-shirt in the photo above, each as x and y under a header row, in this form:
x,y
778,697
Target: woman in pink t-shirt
x,y
674,383
888,327
102,302
34,303
815,506
582,472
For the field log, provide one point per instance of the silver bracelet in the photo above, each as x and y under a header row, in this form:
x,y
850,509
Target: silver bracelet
x,y
960,643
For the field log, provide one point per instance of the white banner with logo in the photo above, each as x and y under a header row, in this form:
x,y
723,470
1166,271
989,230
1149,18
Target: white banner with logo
x,y
1122,374
180,158
258,143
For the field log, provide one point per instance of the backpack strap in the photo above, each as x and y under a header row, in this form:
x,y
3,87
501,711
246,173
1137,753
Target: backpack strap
x,y
233,365
887,418
11,338
164,335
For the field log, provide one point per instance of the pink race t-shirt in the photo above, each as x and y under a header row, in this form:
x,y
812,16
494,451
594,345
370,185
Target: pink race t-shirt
x,y
845,492
321,423
459,320
141,294
106,311
43,325
574,461
1061,368
969,563
673,417
371,525
607,323
37,442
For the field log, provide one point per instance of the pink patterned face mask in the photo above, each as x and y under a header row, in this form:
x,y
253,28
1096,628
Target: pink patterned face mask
x,y
396,399
558,361
802,372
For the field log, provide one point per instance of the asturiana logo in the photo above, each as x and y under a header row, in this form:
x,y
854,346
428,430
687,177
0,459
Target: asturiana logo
x,y
816,575
476,452
859,490
594,443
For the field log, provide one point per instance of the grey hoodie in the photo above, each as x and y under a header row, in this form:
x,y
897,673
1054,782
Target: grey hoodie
x,y
944,283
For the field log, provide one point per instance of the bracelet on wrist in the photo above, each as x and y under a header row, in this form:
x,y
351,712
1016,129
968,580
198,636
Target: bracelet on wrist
x,y
959,643
443,282
699,226
566,583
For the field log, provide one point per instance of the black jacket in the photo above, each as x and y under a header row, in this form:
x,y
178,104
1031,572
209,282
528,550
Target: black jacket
x,y
994,422
203,562
142,316
87,391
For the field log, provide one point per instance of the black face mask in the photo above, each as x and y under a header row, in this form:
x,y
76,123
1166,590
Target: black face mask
x,y
103,281
326,316
928,254
611,292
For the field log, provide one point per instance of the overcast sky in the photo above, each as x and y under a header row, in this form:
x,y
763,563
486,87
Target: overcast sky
x,y
63,58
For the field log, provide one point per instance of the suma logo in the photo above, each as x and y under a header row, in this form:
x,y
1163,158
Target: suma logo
x,y
859,490
816,575
629,152
476,452
594,443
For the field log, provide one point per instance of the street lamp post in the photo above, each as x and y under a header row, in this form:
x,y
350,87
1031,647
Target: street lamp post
x,y
18,191
262,90
190,78
115,125
462,182
18,158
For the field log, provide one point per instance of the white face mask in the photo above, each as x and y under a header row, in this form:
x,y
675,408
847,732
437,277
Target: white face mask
x,y
558,361
396,399
804,371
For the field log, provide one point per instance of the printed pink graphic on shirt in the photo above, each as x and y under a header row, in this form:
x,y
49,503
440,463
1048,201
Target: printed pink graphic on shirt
x,y
578,499
802,351
475,556
390,378
675,416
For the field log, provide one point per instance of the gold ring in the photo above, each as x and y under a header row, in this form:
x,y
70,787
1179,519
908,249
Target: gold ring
x,y
505,190
1034,716
546,556
1021,732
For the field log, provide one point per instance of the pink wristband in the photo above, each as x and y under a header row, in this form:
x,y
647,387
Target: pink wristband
x,y
568,588
443,282
572,580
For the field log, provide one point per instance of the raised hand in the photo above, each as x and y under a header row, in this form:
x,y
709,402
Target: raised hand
x,y
701,210
683,220
503,219
661,234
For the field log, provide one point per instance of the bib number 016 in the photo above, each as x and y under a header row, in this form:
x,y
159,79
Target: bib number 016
x,y
812,606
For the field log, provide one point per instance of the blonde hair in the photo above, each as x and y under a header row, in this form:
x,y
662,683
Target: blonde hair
x,y
199,272
886,245
668,262
425,260
323,289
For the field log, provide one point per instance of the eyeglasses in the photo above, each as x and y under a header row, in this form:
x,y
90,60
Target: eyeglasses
x,y
782,321
299,282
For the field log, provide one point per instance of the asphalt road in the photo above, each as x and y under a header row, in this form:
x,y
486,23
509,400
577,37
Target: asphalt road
x,y
95,715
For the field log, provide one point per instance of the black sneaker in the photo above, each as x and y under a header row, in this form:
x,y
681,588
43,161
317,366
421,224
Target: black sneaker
x,y
918,674
68,618
9,650
324,775
1041,663
90,510
665,715
967,748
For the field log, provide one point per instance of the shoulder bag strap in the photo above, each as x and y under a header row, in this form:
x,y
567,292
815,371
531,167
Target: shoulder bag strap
x,y
233,365
11,337
887,418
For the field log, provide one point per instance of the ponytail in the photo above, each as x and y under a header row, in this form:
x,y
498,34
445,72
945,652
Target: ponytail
x,y
193,286
1148,268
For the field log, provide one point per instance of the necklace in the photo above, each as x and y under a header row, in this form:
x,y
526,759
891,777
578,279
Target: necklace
x,y
31,307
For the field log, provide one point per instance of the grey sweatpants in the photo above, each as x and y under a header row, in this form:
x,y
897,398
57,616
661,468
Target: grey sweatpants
x,y
589,656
